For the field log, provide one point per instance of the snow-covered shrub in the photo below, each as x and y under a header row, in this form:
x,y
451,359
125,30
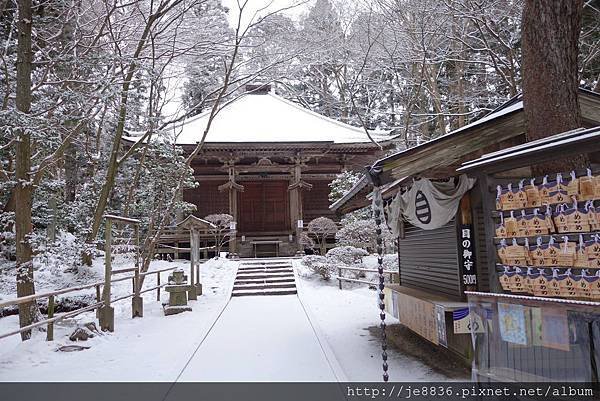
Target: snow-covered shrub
x,y
318,265
221,229
346,255
311,260
322,228
359,233
390,262
306,241
64,255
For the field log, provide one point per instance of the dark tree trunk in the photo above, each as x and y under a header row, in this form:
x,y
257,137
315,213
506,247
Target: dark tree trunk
x,y
23,190
71,178
550,77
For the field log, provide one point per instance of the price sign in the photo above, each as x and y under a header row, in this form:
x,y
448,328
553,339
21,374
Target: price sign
x,y
466,255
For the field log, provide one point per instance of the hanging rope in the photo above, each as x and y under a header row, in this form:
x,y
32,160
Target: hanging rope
x,y
377,208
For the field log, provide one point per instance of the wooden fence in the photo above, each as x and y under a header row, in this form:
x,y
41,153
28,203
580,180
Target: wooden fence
x,y
393,275
51,296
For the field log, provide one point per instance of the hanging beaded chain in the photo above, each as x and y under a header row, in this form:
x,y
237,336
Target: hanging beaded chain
x,y
377,206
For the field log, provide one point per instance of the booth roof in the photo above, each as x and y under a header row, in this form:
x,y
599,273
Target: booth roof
x,y
266,117
446,153
556,146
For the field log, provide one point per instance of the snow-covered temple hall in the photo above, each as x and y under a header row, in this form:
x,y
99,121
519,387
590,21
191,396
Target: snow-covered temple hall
x,y
261,154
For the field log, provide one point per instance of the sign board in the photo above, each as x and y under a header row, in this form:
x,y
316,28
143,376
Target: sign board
x,y
465,322
395,304
300,223
466,255
419,316
440,315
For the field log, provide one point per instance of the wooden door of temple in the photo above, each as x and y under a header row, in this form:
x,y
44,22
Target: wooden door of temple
x,y
264,207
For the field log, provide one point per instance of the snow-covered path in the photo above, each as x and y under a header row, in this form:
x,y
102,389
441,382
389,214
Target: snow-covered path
x,y
262,338
318,335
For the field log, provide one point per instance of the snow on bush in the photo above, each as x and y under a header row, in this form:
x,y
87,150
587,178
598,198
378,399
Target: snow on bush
x,y
390,262
221,230
322,228
359,233
56,265
346,255
318,265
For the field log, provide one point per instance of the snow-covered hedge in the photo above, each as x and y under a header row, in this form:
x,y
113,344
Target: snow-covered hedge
x,y
347,255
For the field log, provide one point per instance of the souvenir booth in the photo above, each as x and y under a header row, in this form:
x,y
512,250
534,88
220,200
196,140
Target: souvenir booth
x,y
541,322
437,211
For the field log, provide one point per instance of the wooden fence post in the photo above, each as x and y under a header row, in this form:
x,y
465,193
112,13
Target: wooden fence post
x,y
339,279
98,299
137,302
158,287
107,313
50,330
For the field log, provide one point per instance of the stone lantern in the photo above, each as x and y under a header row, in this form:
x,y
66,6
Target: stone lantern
x,y
177,289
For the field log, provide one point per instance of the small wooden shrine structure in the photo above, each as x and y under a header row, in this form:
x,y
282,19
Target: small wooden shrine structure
x,y
268,162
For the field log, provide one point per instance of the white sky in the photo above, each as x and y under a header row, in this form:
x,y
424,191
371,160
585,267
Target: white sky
x,y
253,9
263,7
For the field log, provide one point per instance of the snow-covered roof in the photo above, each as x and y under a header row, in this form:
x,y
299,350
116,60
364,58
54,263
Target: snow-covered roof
x,y
450,148
267,117
575,140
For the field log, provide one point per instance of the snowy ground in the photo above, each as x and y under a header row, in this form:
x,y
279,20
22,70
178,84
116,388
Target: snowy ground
x,y
342,317
261,339
321,335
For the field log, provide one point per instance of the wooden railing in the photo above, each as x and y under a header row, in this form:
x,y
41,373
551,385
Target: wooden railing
x,y
393,275
51,296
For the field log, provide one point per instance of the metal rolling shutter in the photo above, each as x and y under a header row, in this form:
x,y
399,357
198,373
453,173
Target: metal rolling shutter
x,y
429,260
483,278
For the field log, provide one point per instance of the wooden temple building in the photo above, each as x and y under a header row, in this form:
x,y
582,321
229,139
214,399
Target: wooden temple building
x,y
268,162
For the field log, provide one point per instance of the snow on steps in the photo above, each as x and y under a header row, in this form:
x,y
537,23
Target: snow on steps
x,y
264,277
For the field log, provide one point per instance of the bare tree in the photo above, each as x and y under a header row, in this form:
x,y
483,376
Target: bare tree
x,y
221,231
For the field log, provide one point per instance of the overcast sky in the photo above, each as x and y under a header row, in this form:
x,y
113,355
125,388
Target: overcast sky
x,y
271,6
175,83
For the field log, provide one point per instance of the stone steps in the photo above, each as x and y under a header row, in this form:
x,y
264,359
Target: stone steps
x,y
264,278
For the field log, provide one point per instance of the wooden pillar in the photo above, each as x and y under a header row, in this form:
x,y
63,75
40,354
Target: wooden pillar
x,y
233,188
194,262
295,204
233,195
295,190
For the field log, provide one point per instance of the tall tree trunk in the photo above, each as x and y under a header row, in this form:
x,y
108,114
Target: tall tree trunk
x,y
550,77
23,190
70,172
113,163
